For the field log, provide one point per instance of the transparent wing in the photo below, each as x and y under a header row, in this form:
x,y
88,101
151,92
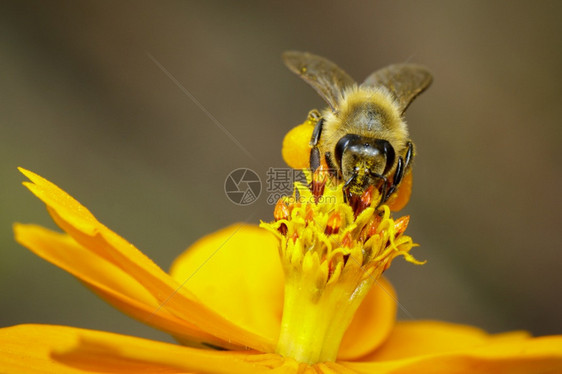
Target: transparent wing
x,y
323,75
405,81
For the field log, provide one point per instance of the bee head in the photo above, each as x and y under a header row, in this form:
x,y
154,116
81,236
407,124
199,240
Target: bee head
x,y
363,161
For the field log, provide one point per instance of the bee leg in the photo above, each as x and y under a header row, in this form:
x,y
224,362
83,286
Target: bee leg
x,y
317,132
409,154
384,193
398,175
401,167
314,158
315,152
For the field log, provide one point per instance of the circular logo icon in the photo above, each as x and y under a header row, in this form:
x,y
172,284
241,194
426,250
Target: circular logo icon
x,y
242,186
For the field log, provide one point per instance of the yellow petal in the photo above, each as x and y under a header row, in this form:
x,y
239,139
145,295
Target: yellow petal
x,y
246,256
372,322
427,337
290,366
237,271
437,347
24,349
82,226
106,279
60,349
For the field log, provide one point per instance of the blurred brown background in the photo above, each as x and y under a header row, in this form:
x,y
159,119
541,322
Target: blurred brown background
x,y
84,105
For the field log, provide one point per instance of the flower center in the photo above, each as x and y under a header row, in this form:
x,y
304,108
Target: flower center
x,y
332,253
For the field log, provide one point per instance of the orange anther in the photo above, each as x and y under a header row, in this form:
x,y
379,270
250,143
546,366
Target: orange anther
x,y
334,223
281,210
347,241
401,224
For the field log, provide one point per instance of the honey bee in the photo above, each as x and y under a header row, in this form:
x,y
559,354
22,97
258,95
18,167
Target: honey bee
x,y
362,135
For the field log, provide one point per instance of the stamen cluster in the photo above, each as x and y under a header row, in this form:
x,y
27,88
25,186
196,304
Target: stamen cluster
x,y
318,229
332,253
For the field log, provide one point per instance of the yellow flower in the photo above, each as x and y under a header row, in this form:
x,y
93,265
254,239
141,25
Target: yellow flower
x,y
227,291
332,253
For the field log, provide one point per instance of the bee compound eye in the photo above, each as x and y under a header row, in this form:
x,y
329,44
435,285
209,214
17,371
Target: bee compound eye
x,y
344,144
388,151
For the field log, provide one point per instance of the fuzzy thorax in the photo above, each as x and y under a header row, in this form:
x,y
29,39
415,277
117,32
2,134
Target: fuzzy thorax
x,y
365,111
